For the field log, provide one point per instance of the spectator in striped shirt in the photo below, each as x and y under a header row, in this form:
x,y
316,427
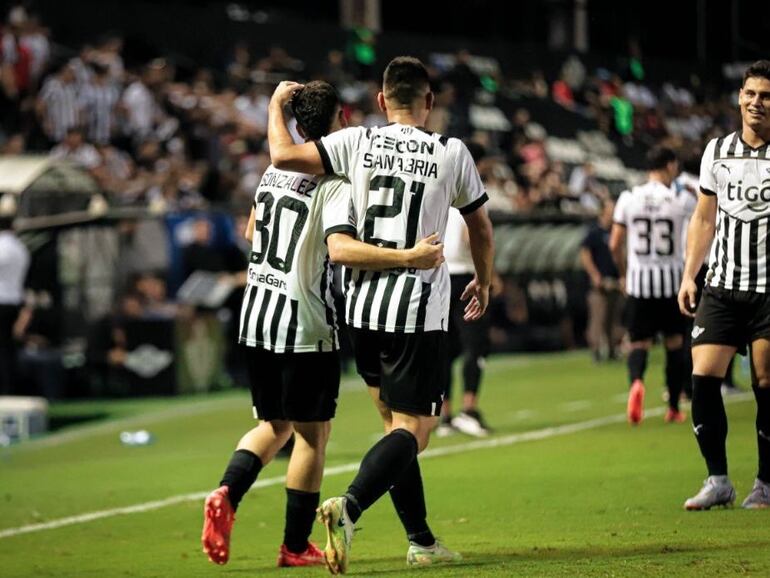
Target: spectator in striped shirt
x,y
57,104
98,100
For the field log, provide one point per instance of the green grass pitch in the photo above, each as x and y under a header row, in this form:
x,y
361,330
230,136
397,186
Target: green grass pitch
x,y
597,499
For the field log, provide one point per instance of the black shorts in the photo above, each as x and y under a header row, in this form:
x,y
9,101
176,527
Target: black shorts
x,y
407,367
645,318
294,386
735,318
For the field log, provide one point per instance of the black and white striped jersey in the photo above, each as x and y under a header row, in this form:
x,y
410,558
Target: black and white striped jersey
x,y
98,102
404,181
740,178
287,306
61,107
655,217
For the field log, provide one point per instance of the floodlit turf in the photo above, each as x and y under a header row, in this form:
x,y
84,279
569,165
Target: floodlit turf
x,y
605,501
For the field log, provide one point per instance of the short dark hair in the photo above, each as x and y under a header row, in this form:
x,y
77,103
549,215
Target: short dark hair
x,y
314,106
761,68
659,157
405,79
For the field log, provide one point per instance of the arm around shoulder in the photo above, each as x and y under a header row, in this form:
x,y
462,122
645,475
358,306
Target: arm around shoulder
x,y
345,250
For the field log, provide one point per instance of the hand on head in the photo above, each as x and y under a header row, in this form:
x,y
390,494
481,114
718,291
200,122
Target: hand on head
x,y
285,91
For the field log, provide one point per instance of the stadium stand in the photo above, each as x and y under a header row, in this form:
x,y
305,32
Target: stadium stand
x,y
165,140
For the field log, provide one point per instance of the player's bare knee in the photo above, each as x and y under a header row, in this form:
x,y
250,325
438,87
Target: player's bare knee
x,y
314,434
281,428
711,359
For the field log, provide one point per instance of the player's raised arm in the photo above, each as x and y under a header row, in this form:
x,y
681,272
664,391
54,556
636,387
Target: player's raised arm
x,y
345,250
700,234
284,153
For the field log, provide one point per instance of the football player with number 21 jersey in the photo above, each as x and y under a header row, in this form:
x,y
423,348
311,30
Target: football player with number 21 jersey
x,y
404,180
298,224
734,310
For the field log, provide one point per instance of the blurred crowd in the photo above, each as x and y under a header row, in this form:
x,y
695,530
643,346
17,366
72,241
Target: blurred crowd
x,y
170,138
155,136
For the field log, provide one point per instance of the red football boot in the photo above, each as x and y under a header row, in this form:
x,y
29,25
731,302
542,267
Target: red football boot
x,y
674,416
635,407
218,518
312,556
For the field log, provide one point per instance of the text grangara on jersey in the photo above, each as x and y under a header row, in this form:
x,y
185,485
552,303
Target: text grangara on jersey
x,y
404,181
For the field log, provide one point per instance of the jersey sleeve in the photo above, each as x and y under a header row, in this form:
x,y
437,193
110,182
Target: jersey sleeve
x,y
620,216
338,150
469,190
707,182
337,212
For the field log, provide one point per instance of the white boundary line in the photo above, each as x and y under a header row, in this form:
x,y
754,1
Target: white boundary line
x,y
196,405
493,442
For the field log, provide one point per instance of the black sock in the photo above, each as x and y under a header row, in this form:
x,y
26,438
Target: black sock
x,y
710,422
243,469
409,500
472,372
762,395
674,376
637,364
383,465
300,514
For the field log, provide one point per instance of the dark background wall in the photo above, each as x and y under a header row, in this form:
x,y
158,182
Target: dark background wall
x,y
198,32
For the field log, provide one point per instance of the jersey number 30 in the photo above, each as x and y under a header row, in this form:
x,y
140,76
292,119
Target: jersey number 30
x,y
270,247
